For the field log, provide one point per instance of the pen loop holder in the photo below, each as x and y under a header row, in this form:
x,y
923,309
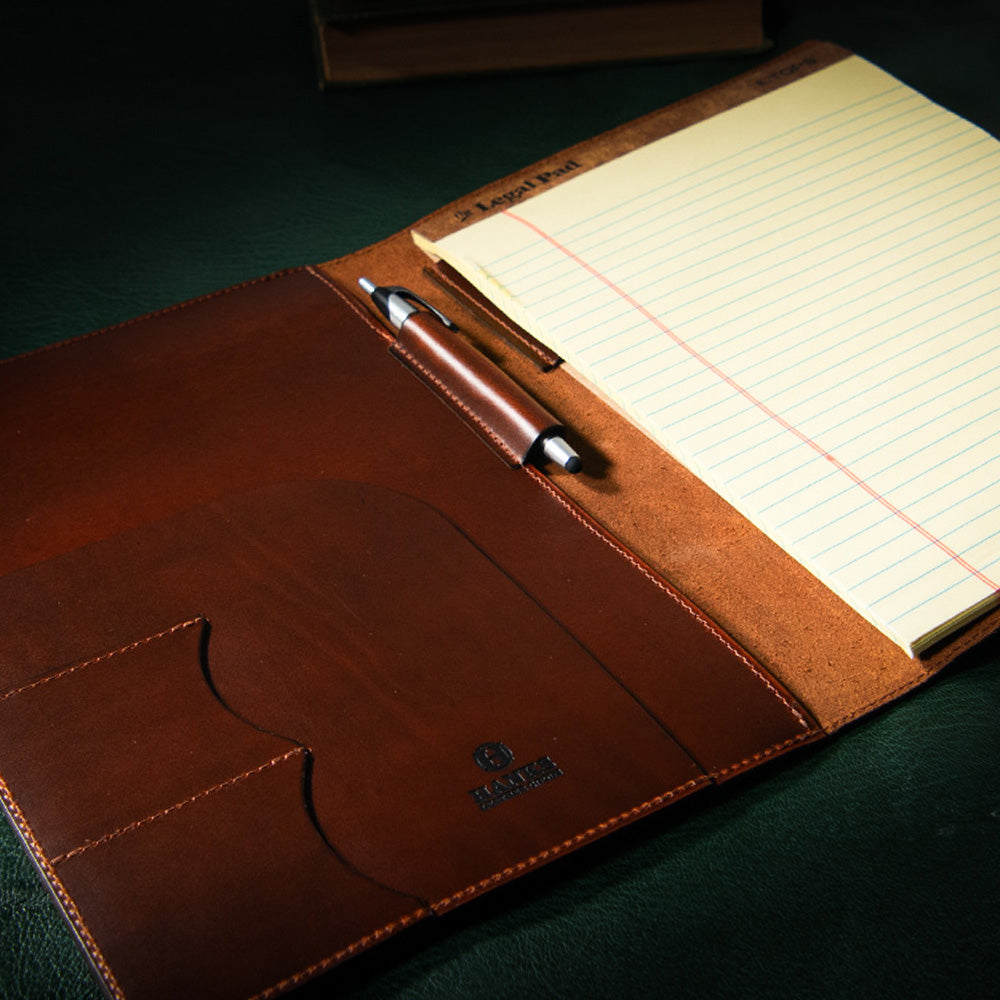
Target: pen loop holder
x,y
500,412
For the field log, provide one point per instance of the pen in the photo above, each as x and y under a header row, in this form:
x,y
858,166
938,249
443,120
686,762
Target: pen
x,y
432,342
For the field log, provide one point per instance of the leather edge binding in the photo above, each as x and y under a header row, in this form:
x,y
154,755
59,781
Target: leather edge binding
x,y
564,847
338,957
64,901
609,825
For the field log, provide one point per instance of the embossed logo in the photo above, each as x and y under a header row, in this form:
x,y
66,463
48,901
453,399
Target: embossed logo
x,y
497,757
493,756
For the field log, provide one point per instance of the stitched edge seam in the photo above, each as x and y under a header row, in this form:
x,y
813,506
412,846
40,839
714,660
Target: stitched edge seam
x,y
65,900
879,702
355,306
586,522
401,352
98,659
707,623
568,844
130,827
761,755
472,416
590,526
615,821
651,805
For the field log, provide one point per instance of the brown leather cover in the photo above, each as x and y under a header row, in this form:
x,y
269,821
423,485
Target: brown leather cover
x,y
265,596
291,660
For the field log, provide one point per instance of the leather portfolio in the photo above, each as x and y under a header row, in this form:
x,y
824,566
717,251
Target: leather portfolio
x,y
297,651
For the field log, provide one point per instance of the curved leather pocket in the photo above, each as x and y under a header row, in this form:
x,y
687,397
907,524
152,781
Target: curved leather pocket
x,y
361,624
367,707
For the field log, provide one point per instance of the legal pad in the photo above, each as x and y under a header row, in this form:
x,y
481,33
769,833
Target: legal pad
x,y
327,660
806,320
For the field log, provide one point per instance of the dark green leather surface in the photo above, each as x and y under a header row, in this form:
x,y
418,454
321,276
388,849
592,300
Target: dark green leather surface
x,y
153,153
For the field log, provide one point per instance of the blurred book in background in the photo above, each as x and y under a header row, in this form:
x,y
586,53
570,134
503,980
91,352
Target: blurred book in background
x,y
361,41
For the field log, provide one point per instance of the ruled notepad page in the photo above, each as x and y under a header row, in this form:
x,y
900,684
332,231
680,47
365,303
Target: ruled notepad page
x,y
800,299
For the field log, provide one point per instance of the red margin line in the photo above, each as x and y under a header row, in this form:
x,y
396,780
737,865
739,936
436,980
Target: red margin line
x,y
763,407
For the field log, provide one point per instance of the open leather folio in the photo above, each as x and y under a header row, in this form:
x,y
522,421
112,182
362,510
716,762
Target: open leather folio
x,y
297,651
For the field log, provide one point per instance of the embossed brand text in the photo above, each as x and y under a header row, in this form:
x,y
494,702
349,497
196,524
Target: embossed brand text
x,y
517,782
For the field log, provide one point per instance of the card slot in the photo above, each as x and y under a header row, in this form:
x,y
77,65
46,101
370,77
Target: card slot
x,y
95,749
212,895
175,834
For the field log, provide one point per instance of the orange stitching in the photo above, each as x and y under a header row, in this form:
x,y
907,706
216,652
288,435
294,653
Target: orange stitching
x,y
98,659
586,522
509,872
609,824
765,753
568,844
114,834
689,608
68,905
429,375
344,953
880,701
353,304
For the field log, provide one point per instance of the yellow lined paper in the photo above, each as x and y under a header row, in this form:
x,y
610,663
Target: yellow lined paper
x,y
799,299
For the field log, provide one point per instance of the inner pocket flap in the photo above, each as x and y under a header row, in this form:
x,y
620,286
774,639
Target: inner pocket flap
x,y
362,624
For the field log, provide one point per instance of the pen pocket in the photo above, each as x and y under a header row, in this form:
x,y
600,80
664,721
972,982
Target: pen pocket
x,y
504,415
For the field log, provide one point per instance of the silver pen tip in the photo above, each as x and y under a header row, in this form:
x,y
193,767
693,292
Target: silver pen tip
x,y
366,285
557,450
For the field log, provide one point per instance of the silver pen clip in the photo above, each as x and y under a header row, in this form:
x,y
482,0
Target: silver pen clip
x,y
397,303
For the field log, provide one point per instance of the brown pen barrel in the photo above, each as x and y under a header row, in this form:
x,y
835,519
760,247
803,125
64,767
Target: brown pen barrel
x,y
471,379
